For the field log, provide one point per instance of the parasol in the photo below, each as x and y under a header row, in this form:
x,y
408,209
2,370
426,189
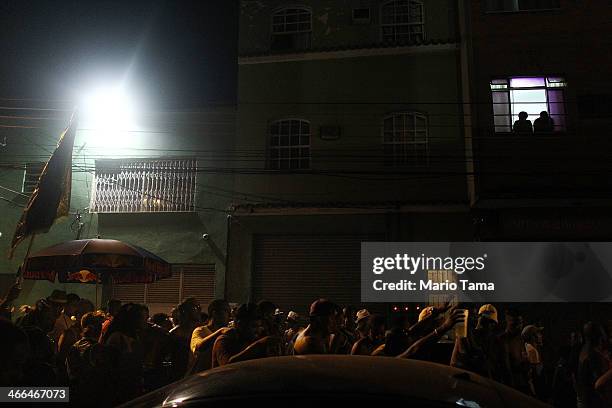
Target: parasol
x,y
96,260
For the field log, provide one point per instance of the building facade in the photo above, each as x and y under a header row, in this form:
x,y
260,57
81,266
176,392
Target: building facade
x,y
155,184
552,184
349,128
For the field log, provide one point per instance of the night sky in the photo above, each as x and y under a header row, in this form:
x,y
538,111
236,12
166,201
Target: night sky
x,y
174,54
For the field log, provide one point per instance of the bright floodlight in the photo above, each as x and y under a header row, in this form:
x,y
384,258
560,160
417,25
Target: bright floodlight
x,y
109,109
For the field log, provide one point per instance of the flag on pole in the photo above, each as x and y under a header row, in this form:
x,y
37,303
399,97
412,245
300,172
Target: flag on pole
x,y
51,197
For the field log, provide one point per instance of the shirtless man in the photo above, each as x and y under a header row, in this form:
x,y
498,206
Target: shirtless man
x,y
316,337
366,345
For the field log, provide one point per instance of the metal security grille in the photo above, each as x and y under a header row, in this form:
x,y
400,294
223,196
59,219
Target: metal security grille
x,y
31,176
137,186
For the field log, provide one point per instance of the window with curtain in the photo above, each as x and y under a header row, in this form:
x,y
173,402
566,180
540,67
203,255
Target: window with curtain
x,y
533,95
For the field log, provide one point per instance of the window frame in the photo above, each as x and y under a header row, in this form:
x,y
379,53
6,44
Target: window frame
x,y
412,161
395,39
270,147
276,12
507,89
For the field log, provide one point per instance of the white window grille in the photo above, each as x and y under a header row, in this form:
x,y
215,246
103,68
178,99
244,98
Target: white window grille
x,y
289,144
402,21
144,185
405,139
31,176
291,29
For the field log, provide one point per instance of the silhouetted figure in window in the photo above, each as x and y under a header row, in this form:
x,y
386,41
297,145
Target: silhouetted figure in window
x,y
543,124
523,125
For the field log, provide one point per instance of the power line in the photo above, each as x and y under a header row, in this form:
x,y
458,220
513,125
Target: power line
x,y
14,192
156,197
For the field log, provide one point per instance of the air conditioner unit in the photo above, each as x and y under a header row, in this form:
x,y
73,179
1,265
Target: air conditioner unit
x,y
330,132
361,16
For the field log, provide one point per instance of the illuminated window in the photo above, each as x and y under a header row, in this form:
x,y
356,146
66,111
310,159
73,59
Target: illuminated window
x,y
528,94
291,29
405,139
402,21
141,185
499,6
441,297
289,144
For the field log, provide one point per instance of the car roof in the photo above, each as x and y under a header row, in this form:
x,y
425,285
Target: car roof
x,y
340,374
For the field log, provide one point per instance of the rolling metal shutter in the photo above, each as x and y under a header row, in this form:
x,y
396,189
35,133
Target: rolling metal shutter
x,y
294,270
188,280
199,282
166,290
127,293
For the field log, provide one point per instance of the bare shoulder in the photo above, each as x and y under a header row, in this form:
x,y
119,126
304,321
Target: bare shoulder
x,y
305,344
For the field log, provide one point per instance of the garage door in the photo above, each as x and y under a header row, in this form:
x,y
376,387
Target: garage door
x,y
292,271
188,280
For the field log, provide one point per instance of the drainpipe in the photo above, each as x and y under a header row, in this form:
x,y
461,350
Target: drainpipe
x,y
464,10
227,251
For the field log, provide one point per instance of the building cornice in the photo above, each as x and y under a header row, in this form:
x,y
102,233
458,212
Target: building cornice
x,y
349,53
342,210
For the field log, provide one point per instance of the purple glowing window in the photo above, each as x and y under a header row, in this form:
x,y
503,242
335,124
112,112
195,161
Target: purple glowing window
x,y
527,82
532,95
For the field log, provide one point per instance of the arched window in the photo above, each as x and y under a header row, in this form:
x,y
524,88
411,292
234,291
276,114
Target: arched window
x,y
291,29
405,139
402,21
289,144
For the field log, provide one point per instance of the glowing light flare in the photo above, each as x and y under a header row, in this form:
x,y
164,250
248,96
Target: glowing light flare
x,y
109,108
108,113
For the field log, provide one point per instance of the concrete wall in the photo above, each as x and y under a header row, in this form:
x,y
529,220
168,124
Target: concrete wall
x,y
176,237
353,93
572,42
324,93
332,24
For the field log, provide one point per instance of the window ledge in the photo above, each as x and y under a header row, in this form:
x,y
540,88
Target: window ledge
x,y
523,11
531,135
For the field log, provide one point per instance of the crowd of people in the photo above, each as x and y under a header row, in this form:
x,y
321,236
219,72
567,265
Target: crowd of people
x,y
110,356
